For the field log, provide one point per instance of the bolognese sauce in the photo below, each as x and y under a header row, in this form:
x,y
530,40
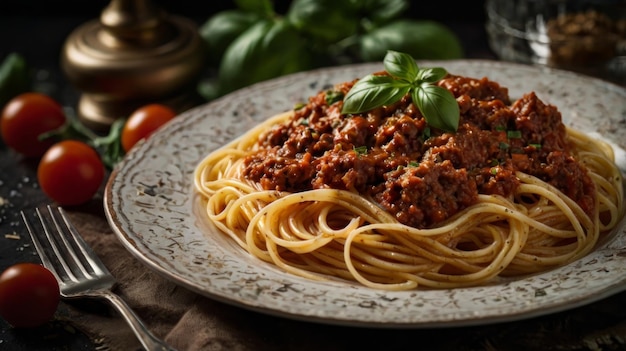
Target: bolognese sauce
x,y
421,175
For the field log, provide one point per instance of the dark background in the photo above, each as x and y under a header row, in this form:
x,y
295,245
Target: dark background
x,y
38,28
440,10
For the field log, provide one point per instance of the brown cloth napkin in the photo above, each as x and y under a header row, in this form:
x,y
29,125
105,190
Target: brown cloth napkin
x,y
184,319
189,321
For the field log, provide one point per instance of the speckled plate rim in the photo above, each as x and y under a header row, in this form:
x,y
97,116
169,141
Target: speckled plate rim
x,y
150,205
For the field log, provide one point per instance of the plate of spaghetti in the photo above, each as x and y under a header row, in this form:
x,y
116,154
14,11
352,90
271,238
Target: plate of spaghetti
x,y
275,199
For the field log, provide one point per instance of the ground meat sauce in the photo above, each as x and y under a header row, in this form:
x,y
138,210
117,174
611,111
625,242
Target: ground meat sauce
x,y
421,175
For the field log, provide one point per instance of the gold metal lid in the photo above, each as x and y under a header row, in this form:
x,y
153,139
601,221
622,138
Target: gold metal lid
x,y
132,55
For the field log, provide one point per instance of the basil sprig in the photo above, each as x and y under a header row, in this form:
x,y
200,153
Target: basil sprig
x,y
437,104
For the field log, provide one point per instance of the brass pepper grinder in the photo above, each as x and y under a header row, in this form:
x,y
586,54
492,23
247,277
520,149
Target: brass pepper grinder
x,y
132,55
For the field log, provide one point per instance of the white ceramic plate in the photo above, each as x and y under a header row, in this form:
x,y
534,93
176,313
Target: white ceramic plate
x,y
150,204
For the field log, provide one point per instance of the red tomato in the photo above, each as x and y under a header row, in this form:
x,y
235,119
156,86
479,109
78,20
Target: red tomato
x,y
70,172
143,122
29,295
27,116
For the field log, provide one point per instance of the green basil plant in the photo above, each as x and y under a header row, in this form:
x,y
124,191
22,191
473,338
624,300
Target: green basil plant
x,y
254,42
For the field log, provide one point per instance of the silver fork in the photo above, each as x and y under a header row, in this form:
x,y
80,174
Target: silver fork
x,y
78,270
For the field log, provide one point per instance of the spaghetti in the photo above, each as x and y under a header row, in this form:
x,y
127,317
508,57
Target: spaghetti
x,y
517,216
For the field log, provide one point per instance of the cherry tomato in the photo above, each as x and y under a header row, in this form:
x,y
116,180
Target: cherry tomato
x,y
70,172
143,122
27,116
29,295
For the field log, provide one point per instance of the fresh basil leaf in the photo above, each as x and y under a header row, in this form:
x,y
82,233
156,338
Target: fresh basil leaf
x,y
382,11
15,77
438,106
374,91
222,29
264,8
325,21
421,39
432,75
401,65
268,49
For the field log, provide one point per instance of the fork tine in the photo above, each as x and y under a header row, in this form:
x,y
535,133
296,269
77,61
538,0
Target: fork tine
x,y
56,235
87,253
59,243
43,255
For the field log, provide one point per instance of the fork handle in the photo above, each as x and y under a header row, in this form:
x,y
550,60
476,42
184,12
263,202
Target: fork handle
x,y
148,340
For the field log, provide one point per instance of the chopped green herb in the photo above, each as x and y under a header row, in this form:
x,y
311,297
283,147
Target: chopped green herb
x,y
536,146
426,133
413,164
514,134
503,146
361,150
333,96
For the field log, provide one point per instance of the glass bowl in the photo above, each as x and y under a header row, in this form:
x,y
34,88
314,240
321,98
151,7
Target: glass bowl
x,y
586,36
